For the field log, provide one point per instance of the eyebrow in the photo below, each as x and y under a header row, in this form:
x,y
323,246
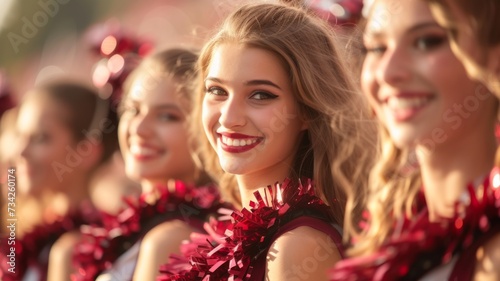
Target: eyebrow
x,y
156,106
166,106
414,28
248,83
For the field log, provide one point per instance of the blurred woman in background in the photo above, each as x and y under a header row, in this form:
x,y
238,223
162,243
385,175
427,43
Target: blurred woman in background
x,y
64,131
432,208
176,195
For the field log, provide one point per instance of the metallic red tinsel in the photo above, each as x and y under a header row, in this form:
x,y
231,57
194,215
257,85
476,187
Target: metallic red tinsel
x,y
427,243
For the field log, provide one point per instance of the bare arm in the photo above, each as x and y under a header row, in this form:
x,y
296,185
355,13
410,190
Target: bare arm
x,y
157,246
301,254
60,257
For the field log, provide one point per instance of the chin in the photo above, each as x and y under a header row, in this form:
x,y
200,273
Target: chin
x,y
231,167
403,141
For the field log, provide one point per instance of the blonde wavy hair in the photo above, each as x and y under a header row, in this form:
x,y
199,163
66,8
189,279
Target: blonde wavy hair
x,y
336,152
483,16
394,184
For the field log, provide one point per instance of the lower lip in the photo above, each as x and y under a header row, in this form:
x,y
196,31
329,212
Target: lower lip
x,y
403,115
237,149
143,158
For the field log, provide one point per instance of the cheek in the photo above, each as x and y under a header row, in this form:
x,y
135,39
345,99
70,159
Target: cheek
x,y
369,85
123,132
448,76
47,154
210,118
175,136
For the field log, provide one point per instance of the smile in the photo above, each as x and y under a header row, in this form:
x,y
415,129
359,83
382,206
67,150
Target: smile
x,y
404,108
406,103
142,153
237,143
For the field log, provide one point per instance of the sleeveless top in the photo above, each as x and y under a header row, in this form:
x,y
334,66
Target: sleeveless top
x,y
114,249
332,231
239,241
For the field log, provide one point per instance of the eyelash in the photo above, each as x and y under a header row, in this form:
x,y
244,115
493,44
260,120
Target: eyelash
x,y
168,117
374,50
40,137
129,109
430,42
217,91
266,95
211,91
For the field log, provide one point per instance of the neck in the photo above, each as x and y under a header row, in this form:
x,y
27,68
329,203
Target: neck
x,y
248,184
62,202
446,173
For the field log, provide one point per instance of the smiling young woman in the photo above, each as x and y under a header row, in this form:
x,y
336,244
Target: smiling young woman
x,y
176,195
431,204
285,134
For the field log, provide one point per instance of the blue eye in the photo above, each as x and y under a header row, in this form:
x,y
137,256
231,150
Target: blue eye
x,y
263,96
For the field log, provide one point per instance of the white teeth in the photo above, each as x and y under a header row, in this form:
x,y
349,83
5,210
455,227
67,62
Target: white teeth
x,y
403,103
140,150
238,142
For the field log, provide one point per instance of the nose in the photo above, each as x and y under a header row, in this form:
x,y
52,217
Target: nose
x,y
23,147
141,125
232,113
394,68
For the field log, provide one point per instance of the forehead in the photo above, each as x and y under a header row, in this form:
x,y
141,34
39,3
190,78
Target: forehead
x,y
387,16
39,111
153,86
447,13
235,60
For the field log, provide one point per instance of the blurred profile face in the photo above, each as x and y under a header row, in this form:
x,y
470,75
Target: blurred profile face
x,y
417,87
152,132
250,114
482,64
47,147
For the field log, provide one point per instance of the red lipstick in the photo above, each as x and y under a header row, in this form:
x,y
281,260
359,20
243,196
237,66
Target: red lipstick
x,y
252,142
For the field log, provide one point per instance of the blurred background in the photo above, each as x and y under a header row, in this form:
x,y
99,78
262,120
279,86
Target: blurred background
x,y
46,37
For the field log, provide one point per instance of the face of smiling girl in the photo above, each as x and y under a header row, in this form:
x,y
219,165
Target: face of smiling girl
x,y
250,115
418,88
152,132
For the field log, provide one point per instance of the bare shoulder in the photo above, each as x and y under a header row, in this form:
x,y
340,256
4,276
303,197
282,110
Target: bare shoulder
x,y
303,253
157,245
164,234
65,244
488,260
60,256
